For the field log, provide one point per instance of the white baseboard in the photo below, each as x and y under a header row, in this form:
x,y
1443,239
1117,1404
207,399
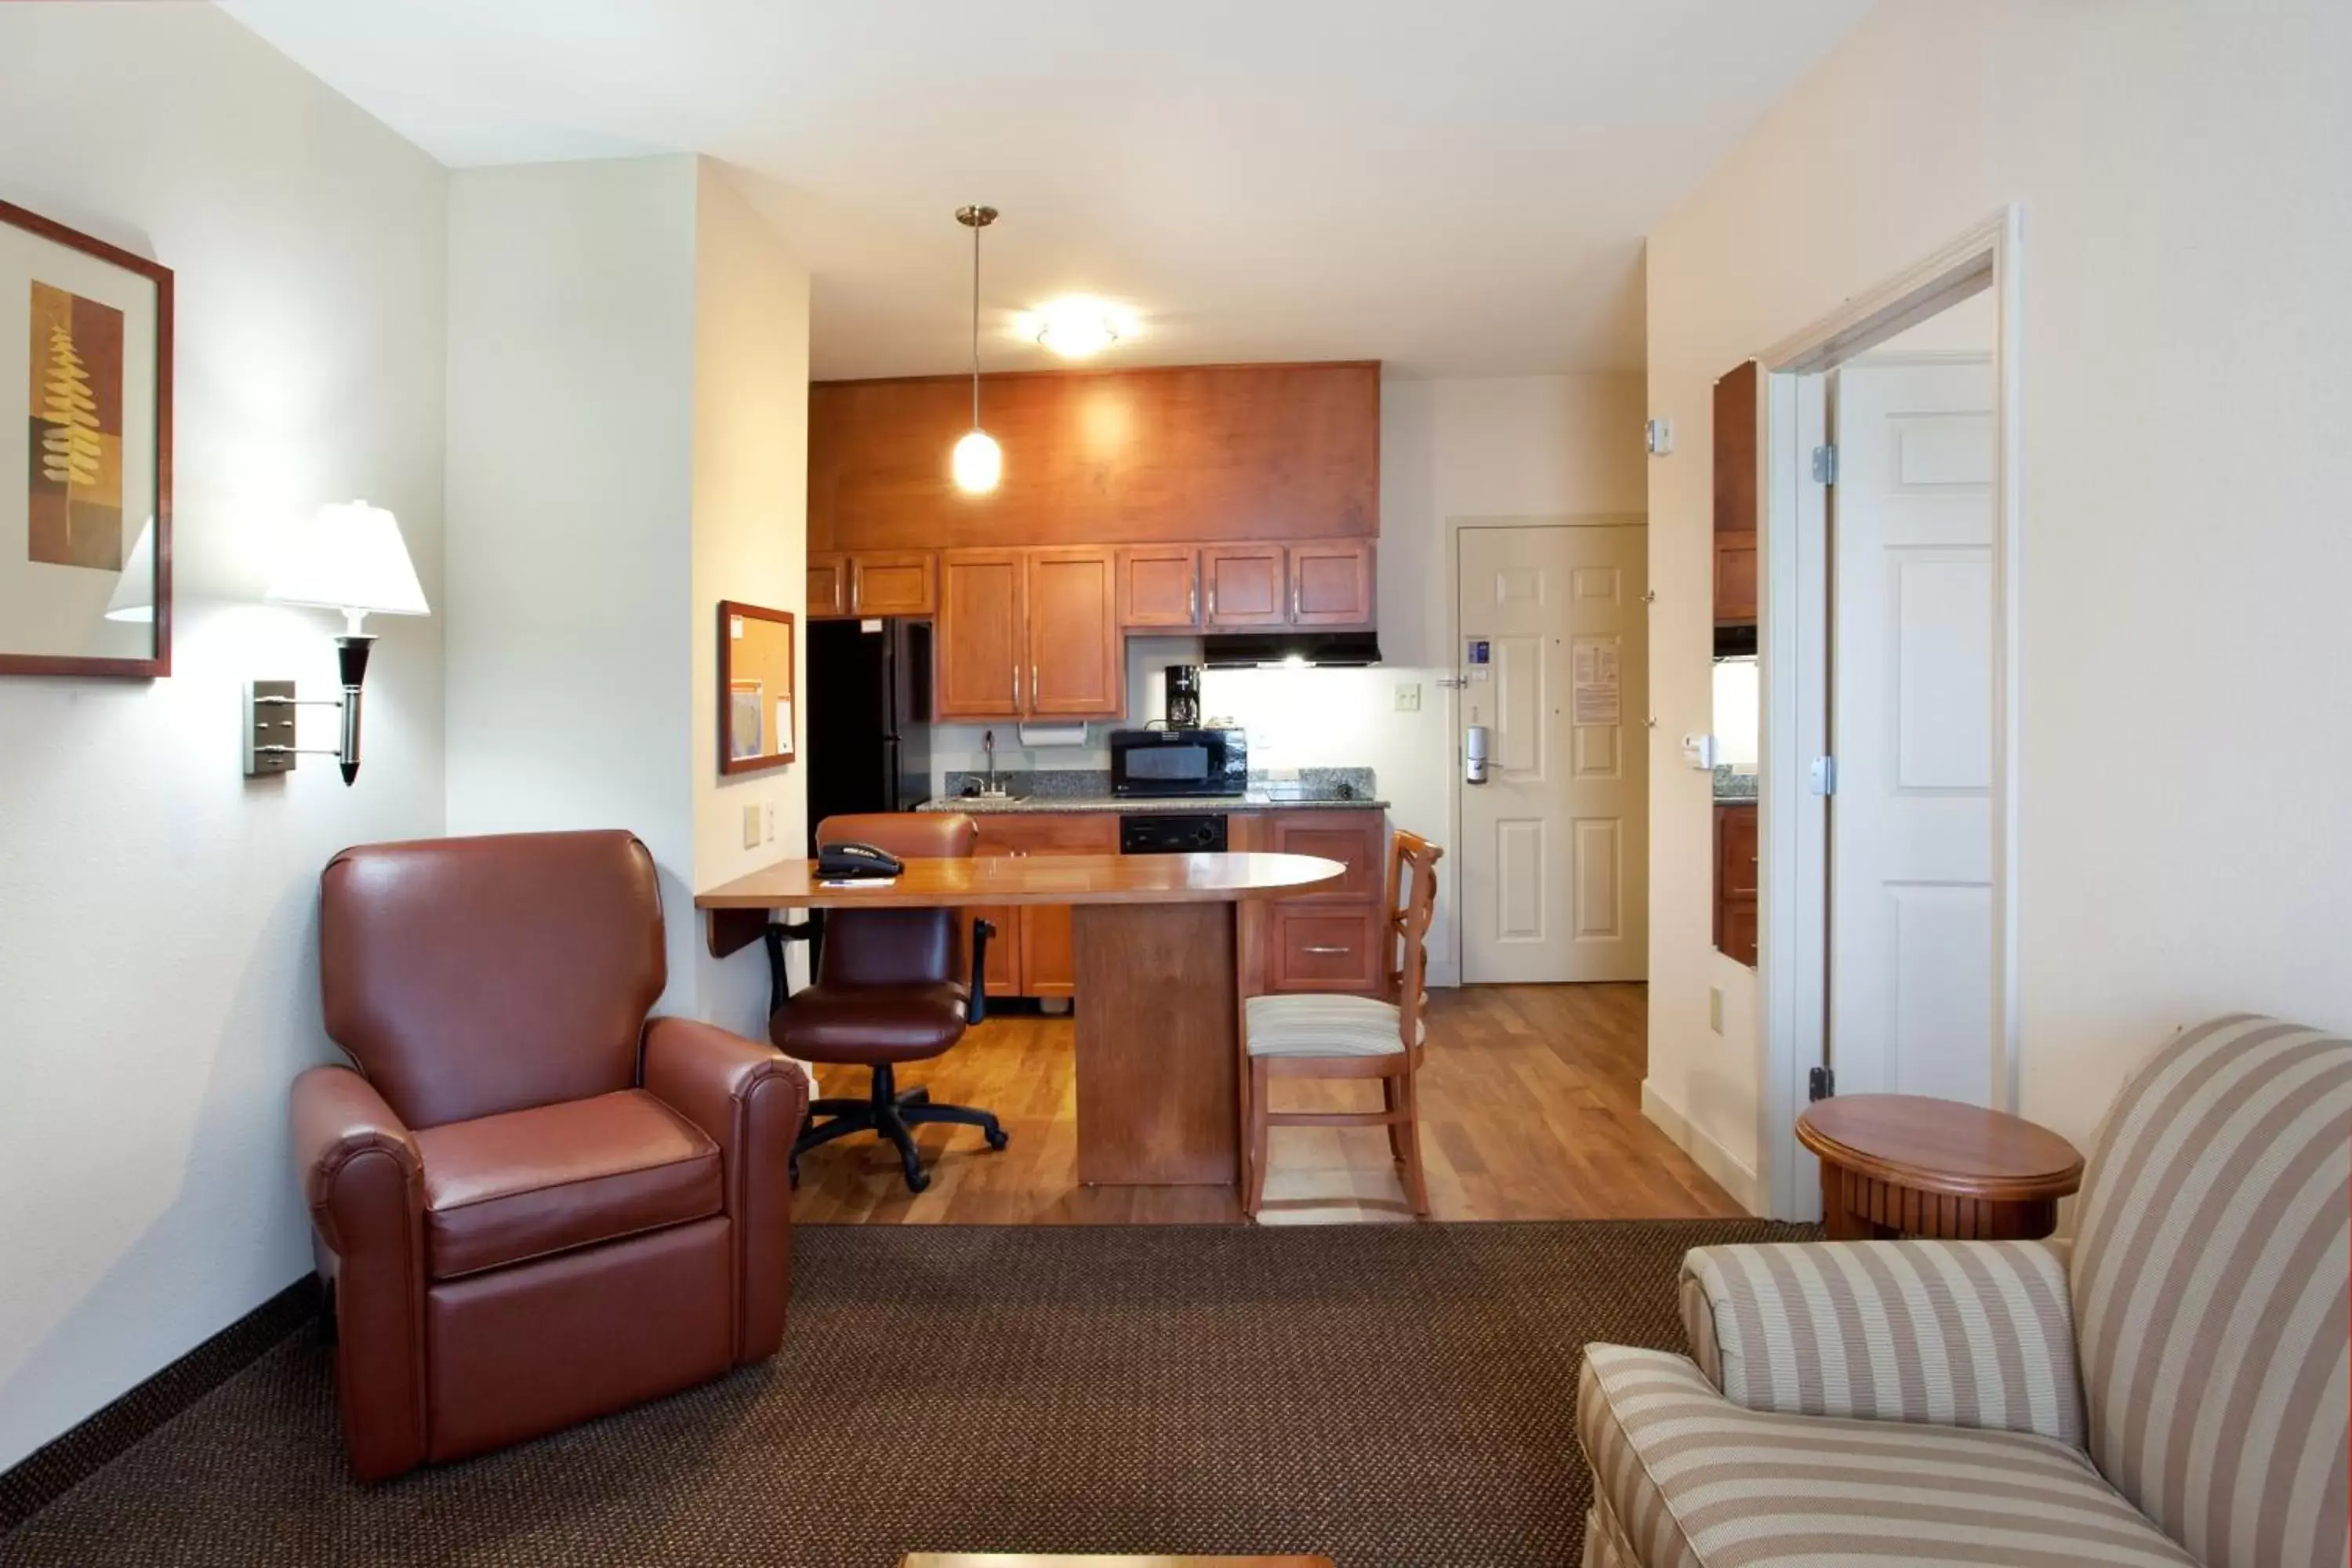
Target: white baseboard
x,y
1710,1156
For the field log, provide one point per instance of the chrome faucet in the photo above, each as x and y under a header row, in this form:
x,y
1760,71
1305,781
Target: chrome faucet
x,y
991,789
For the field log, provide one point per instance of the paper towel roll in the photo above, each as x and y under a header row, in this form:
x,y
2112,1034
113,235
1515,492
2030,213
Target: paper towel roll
x,y
1041,735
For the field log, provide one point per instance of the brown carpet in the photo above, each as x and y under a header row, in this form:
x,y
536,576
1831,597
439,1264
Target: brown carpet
x,y
1389,1394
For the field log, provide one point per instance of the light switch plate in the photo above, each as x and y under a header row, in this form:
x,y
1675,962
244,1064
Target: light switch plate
x,y
268,724
1408,697
1715,1008
750,827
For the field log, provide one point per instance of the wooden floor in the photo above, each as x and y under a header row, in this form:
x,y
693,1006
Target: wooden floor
x,y
1531,1108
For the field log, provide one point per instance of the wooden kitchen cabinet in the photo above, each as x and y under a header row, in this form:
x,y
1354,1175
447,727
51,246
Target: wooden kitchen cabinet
x,y
894,583
1735,881
1075,671
841,583
1328,940
1331,583
1158,587
1738,521
1029,634
1244,585
982,643
1042,961
828,585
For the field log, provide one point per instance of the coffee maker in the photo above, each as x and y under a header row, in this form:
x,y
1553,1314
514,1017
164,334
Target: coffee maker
x,y
1183,695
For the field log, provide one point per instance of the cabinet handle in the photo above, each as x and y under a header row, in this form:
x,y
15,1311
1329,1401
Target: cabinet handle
x,y
1327,950
1193,602
856,585
1213,598
1294,599
1033,688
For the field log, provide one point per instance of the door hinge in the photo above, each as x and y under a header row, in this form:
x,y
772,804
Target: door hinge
x,y
1824,776
1823,1084
1825,465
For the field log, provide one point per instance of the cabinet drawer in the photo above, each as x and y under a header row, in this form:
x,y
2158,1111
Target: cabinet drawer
x,y
1356,839
1056,832
1324,949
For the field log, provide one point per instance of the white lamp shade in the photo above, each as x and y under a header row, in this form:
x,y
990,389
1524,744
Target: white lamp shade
x,y
350,557
978,463
133,598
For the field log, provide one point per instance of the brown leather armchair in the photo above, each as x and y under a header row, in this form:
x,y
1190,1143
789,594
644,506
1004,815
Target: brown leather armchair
x,y
885,993
533,1204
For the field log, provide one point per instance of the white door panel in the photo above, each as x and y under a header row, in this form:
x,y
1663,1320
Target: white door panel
x,y
1911,724
1554,869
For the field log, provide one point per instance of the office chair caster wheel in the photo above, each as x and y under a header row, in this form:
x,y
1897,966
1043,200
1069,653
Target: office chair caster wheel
x,y
917,1180
998,1137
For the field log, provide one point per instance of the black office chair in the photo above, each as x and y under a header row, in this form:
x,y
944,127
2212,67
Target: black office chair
x,y
884,993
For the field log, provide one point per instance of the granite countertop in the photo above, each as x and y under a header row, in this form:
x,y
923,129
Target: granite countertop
x,y
1734,788
1255,800
1088,789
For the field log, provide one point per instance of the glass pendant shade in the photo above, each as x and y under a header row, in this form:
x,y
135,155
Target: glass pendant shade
x,y
978,463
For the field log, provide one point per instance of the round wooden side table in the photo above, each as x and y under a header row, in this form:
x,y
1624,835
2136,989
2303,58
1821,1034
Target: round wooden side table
x,y
1903,1164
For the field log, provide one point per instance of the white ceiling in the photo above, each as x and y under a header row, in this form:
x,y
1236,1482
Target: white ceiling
x,y
1456,188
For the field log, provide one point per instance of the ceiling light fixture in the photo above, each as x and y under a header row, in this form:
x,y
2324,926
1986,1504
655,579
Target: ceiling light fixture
x,y
978,462
1075,328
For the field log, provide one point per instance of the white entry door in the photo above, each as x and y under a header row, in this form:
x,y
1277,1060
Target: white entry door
x,y
1554,661
1911,991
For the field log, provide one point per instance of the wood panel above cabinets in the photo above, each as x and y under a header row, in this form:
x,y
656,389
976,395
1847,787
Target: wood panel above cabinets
x,y
1737,522
1189,454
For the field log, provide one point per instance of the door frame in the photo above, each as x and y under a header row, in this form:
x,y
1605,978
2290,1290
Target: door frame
x,y
1450,680
1793,895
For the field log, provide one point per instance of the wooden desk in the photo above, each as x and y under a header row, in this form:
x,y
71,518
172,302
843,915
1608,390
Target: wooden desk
x,y
1159,984
1904,1164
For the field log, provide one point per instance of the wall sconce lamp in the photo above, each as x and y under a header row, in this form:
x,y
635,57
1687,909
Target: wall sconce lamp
x,y
349,558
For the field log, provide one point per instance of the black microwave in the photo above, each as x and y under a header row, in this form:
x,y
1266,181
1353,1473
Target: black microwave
x,y
1153,763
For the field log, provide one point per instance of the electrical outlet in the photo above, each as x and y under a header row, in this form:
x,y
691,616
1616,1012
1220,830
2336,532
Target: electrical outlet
x,y
771,824
1408,697
750,827
1715,1008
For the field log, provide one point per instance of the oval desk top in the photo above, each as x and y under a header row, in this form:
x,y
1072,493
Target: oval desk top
x,y
984,879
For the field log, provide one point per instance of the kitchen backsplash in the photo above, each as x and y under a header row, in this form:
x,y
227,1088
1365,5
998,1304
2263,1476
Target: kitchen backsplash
x,y
1083,784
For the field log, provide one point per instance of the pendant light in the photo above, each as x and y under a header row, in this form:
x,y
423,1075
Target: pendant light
x,y
978,462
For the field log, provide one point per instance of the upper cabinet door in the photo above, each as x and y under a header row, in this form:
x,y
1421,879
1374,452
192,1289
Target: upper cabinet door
x,y
982,654
1331,583
1737,520
828,585
1159,586
1243,586
894,583
1075,667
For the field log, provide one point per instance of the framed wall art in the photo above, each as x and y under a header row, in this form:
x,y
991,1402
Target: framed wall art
x,y
85,454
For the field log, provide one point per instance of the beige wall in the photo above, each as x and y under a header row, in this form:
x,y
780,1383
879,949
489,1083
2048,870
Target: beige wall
x,y
159,981
2187,731
750,542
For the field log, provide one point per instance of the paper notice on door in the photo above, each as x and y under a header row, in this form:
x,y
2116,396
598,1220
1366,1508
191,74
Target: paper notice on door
x,y
1596,685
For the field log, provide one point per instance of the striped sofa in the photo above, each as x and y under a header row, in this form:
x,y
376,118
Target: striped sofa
x,y
2172,1389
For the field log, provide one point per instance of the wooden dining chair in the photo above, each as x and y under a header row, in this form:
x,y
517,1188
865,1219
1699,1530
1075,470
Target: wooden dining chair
x,y
1355,1037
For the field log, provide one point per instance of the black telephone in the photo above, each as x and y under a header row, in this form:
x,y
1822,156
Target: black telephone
x,y
850,862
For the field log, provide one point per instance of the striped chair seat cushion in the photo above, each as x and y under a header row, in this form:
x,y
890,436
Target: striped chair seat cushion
x,y
1322,1026
1695,1481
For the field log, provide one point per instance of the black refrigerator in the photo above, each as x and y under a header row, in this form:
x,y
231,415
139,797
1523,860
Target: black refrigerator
x,y
868,694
